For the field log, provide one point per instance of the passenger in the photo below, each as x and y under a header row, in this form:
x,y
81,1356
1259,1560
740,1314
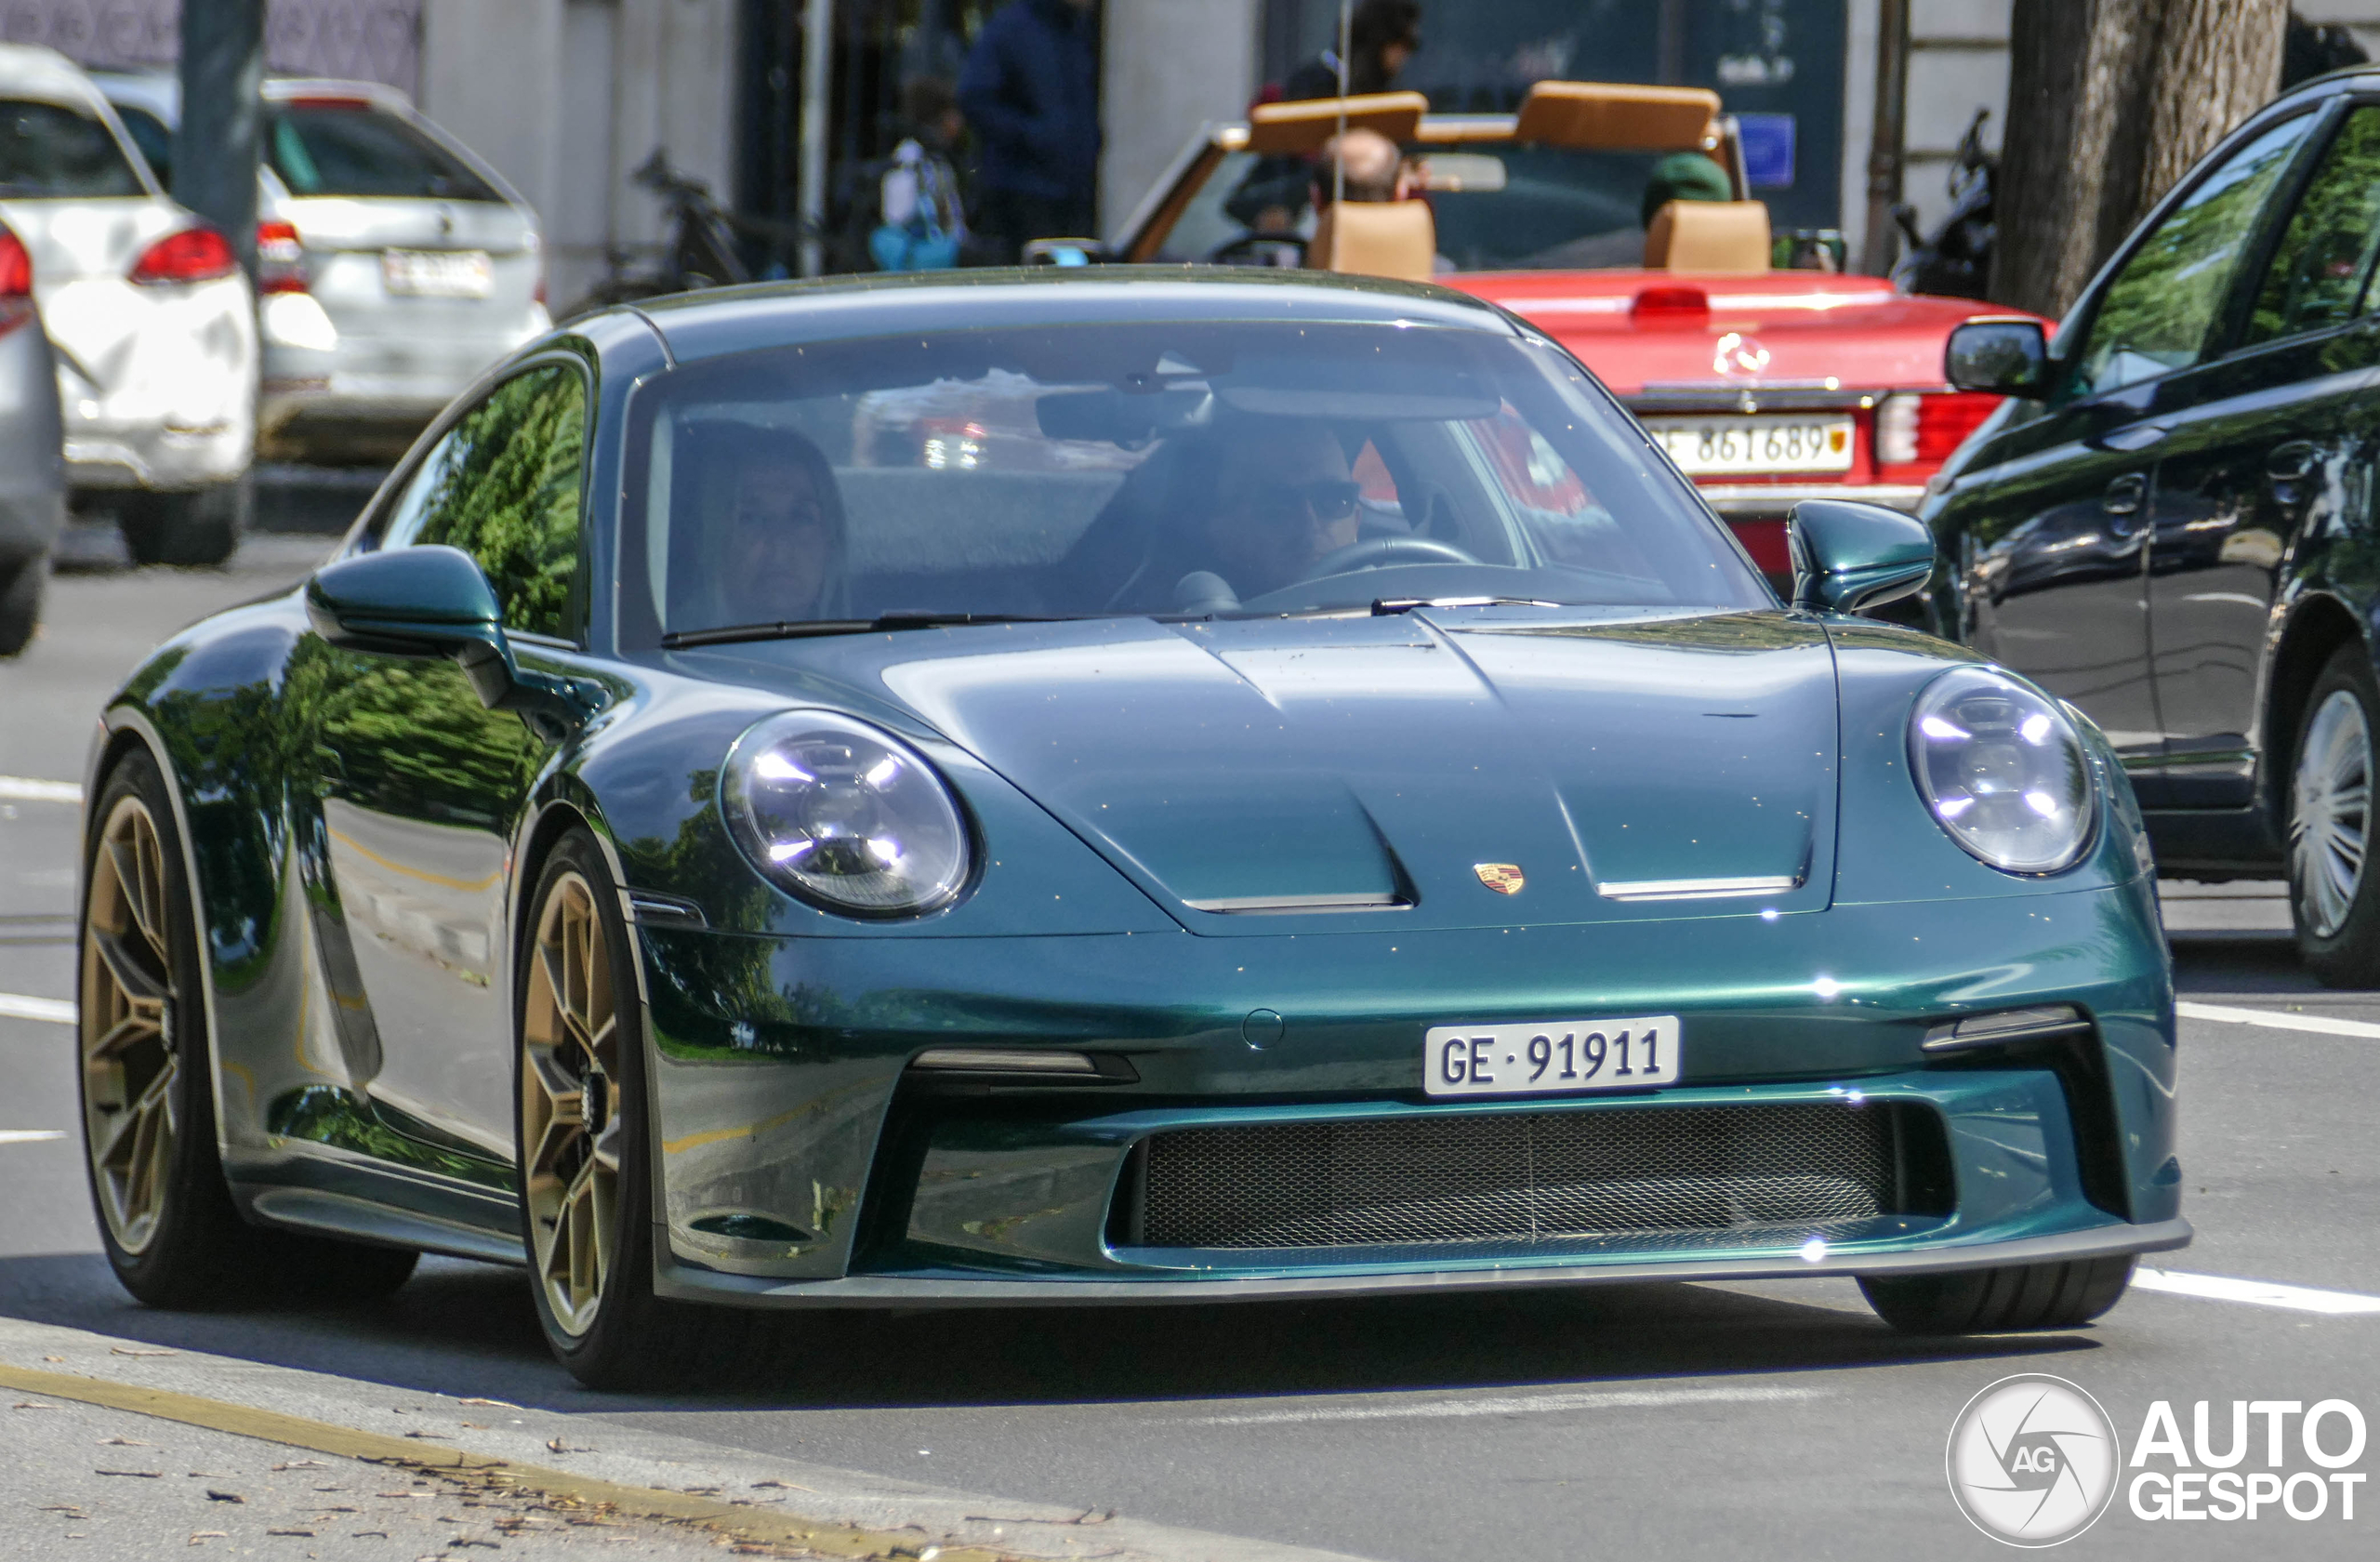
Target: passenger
x,y
1683,176
1371,165
1282,498
783,549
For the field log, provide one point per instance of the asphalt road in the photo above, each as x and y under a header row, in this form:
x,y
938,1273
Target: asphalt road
x,y
1773,1419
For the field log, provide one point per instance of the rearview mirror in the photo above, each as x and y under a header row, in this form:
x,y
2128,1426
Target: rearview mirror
x,y
1848,557
2001,357
434,601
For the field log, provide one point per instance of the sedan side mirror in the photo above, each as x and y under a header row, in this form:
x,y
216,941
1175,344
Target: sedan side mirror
x,y
2000,357
434,601
1848,557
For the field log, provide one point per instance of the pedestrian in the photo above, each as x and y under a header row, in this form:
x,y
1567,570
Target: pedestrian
x,y
920,221
1381,36
1030,93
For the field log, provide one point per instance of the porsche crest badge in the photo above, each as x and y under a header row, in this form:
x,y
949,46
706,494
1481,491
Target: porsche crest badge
x,y
1502,878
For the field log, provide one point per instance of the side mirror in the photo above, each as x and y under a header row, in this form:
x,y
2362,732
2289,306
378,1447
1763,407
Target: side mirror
x,y
434,601
2001,357
1848,556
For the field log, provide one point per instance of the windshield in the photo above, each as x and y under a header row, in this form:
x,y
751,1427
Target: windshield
x,y
1537,208
343,148
51,150
1151,469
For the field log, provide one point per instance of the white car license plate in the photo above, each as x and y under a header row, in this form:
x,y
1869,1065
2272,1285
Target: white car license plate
x,y
1552,1057
1733,443
438,273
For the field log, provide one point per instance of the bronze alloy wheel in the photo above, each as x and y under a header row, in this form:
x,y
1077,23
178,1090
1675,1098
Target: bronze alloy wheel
x,y
130,1067
571,1128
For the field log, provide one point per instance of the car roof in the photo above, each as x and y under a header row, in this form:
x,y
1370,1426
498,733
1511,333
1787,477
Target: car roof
x,y
161,91
32,70
720,321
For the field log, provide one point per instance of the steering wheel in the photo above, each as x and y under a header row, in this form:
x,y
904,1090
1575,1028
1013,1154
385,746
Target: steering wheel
x,y
1242,250
1377,552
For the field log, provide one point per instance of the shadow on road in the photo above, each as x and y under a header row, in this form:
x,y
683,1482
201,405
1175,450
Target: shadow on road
x,y
462,1329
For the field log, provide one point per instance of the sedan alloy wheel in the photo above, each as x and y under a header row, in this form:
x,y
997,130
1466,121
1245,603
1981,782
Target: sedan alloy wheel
x,y
2330,822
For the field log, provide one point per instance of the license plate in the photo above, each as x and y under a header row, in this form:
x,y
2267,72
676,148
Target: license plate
x,y
1552,1057
438,273
1739,444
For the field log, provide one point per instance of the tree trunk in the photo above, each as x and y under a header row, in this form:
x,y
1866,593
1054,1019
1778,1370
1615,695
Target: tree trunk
x,y
2109,102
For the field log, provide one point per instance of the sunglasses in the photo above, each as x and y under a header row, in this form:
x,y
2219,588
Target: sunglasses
x,y
1324,499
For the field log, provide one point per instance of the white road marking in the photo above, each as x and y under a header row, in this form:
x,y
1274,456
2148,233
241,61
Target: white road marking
x,y
23,789
28,1135
2322,1025
2256,1294
18,1006
1521,1404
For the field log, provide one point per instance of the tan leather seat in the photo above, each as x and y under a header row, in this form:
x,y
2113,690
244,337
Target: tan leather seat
x,y
1709,236
1376,238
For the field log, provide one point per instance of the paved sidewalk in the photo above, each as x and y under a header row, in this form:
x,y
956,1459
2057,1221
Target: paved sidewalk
x,y
529,1482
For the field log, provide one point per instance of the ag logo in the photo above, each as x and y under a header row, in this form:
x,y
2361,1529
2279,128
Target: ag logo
x,y
2033,1460
1736,353
1505,879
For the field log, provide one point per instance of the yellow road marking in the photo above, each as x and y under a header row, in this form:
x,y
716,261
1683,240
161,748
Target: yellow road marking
x,y
440,880
475,1469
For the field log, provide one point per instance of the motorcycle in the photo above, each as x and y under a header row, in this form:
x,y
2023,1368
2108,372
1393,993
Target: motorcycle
x,y
1956,261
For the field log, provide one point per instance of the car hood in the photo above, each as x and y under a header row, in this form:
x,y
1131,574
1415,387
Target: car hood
x,y
1292,775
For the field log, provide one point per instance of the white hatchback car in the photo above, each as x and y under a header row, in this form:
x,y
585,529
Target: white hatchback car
x,y
393,265
151,320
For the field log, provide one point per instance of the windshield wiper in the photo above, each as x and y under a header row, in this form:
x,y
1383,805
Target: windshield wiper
x,y
1386,605
681,640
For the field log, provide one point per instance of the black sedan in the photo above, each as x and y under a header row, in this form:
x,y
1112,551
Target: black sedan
x,y
2171,522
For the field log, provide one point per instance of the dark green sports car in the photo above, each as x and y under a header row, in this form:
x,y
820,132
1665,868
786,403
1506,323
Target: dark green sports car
x,y
1129,788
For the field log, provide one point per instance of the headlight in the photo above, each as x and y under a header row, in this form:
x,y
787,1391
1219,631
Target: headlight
x,y
844,816
2003,770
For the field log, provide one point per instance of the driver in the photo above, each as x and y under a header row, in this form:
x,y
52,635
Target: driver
x,y
1283,499
784,533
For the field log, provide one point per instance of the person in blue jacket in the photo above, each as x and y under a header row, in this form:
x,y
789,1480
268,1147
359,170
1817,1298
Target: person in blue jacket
x,y
1030,93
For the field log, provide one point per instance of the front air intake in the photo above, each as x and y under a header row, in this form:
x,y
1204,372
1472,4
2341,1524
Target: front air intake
x,y
1653,1173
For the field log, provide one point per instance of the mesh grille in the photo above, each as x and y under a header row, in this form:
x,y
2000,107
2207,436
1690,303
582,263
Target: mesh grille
x,y
1641,1172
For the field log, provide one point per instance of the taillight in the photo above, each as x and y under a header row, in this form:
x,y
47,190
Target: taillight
x,y
16,283
193,255
16,267
1924,428
281,258
1670,301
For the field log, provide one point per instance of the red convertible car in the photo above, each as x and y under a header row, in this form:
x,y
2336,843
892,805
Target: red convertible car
x,y
1767,380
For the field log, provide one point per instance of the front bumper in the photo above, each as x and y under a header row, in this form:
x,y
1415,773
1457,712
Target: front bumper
x,y
803,1163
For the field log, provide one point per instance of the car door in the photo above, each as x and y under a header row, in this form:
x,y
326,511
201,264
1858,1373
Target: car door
x,y
2055,547
422,786
2256,458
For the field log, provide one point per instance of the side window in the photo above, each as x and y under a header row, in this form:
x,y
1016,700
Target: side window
x,y
2320,270
503,486
2156,314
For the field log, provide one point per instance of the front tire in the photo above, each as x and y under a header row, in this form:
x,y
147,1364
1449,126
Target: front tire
x,y
168,1222
587,1172
2334,902
2021,1297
